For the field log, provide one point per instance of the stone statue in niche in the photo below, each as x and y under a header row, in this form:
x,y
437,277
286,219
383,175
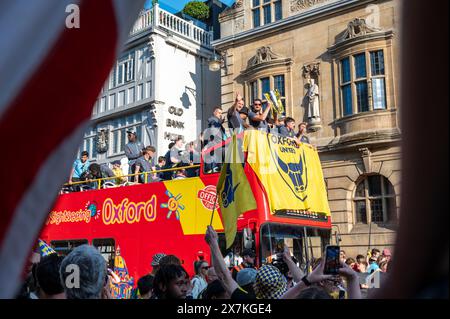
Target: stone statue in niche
x,y
313,100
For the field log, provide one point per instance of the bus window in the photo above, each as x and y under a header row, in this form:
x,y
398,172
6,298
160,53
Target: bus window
x,y
275,236
106,247
317,239
305,244
64,247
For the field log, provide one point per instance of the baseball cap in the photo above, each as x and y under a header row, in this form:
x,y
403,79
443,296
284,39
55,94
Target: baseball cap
x,y
246,276
157,258
131,131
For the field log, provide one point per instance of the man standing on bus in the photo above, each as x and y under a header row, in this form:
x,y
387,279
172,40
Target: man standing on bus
x,y
133,149
248,256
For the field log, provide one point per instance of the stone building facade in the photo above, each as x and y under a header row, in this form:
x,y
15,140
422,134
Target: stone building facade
x,y
346,50
160,86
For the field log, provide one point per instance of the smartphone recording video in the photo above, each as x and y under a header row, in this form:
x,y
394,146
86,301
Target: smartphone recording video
x,y
332,263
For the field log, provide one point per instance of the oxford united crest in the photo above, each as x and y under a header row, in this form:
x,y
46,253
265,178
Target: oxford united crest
x,y
291,164
227,195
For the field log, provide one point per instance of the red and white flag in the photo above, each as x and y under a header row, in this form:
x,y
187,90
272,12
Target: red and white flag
x,y
50,77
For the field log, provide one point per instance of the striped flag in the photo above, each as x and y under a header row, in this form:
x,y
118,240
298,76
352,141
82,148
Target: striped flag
x,y
50,77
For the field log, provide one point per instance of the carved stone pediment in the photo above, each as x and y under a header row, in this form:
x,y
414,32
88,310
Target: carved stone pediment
x,y
263,54
356,28
299,5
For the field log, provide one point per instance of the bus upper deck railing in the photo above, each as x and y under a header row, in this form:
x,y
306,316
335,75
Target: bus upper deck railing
x,y
109,182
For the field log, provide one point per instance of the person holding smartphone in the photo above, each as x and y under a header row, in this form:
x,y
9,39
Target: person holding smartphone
x,y
317,276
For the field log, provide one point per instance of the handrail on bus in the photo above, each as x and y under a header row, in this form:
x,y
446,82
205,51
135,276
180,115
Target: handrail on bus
x,y
98,180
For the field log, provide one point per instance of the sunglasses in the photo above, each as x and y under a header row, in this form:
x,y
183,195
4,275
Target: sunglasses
x,y
256,103
206,267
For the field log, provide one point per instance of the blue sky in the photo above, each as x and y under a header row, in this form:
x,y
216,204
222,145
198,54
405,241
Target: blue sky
x,y
178,5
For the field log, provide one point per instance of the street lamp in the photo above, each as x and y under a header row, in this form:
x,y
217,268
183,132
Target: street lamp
x,y
216,62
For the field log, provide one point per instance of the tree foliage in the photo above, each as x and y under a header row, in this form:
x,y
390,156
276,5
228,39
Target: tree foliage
x,y
197,10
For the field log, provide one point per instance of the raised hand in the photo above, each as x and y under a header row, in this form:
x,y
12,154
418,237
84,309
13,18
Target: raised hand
x,y
317,274
211,235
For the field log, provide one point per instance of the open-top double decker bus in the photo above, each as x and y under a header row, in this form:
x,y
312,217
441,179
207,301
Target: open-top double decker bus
x,y
171,216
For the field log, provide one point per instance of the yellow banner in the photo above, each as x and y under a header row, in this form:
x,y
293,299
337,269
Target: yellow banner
x,y
291,174
185,205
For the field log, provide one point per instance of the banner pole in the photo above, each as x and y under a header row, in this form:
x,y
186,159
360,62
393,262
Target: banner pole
x,y
214,208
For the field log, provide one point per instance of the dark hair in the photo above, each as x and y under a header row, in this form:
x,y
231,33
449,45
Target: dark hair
x,y
314,293
169,260
84,153
198,265
179,138
360,256
47,274
374,250
161,158
145,284
217,108
214,289
260,101
171,144
288,120
164,276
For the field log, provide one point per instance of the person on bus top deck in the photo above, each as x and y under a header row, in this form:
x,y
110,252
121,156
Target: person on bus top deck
x,y
243,113
133,149
301,135
248,256
145,163
215,123
287,130
173,157
118,173
235,122
80,167
257,117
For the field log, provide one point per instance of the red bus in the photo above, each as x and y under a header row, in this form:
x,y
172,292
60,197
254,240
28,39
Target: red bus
x,y
171,217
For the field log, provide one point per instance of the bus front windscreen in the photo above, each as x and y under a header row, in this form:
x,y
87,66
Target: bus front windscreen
x,y
306,244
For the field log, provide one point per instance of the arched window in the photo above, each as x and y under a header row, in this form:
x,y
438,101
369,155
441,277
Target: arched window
x,y
374,201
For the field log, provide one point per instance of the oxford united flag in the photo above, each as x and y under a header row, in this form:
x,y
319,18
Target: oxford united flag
x,y
235,194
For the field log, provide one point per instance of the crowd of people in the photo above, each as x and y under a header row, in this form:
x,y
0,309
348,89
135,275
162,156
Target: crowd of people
x,y
141,164
53,277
